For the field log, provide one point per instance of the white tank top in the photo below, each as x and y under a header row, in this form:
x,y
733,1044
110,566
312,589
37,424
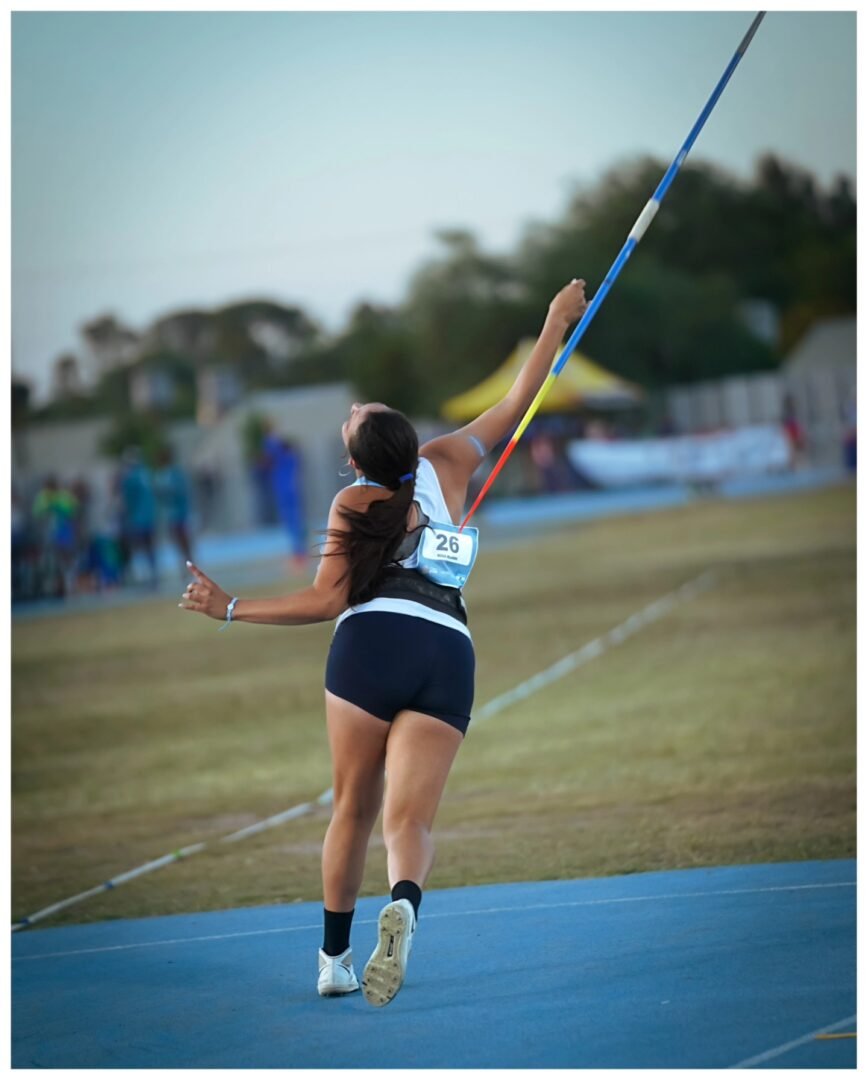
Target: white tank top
x,y
429,495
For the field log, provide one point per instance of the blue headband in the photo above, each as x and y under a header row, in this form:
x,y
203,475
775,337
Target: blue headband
x,y
407,476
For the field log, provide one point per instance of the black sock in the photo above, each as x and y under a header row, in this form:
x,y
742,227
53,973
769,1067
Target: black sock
x,y
408,890
336,936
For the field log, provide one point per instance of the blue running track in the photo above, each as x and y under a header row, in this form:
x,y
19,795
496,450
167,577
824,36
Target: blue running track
x,y
707,968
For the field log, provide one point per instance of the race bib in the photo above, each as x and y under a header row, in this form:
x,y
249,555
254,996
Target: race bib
x,y
447,555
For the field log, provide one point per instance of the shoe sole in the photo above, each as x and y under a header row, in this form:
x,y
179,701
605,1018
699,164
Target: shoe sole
x,y
339,992
384,973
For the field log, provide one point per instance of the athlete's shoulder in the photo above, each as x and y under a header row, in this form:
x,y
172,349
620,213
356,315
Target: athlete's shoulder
x,y
352,497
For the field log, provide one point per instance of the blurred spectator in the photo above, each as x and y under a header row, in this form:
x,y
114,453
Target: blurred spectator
x,y
285,472
266,511
54,518
257,437
139,510
206,481
794,430
544,457
82,527
105,557
24,551
666,428
118,518
173,493
598,429
850,432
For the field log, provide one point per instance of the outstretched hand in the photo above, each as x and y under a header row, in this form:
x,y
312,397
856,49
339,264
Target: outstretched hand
x,y
204,595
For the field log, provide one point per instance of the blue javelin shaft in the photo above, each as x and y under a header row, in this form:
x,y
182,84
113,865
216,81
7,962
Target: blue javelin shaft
x,y
653,204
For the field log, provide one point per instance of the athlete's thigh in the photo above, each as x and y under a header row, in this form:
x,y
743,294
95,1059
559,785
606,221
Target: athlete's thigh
x,y
358,747
419,754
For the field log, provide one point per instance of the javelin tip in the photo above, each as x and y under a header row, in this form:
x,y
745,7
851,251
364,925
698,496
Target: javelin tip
x,y
748,37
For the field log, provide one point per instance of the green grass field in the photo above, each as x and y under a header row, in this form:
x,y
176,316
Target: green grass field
x,y
723,733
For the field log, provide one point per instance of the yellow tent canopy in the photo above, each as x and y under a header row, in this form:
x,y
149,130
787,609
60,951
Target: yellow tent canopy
x,y
582,382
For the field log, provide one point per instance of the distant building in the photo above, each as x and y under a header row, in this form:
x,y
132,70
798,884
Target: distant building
x,y
218,389
22,392
66,378
820,373
311,416
215,457
64,448
152,390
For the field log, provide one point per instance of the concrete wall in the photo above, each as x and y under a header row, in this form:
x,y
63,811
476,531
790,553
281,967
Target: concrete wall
x,y
734,402
68,449
311,417
822,398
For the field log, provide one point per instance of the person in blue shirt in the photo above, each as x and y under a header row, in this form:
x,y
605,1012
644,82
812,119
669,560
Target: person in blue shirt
x,y
139,508
285,468
173,493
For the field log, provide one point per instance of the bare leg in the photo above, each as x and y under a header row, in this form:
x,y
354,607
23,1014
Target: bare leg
x,y
419,753
358,747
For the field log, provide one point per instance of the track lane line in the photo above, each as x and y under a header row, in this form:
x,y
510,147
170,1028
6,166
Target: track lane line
x,y
777,1051
602,902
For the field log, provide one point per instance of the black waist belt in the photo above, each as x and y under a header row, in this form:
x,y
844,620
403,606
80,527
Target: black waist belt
x,y
399,583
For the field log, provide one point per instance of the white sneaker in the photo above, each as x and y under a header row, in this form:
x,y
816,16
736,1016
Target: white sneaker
x,y
336,975
385,971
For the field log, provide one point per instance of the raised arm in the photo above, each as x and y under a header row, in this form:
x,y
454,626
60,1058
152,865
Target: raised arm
x,y
458,455
321,601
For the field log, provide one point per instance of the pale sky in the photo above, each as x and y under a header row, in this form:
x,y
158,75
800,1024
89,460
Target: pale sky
x,y
166,160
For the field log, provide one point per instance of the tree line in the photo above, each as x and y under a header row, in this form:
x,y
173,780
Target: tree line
x,y
718,248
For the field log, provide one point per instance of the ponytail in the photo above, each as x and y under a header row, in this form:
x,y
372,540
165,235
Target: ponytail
x,y
386,448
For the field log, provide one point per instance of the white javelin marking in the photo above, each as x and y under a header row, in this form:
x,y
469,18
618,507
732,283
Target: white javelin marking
x,y
558,670
644,220
453,914
776,1051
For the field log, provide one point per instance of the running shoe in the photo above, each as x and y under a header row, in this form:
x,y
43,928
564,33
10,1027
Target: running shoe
x,y
385,971
336,975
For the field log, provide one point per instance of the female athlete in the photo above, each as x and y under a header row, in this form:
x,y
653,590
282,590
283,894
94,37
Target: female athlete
x,y
399,676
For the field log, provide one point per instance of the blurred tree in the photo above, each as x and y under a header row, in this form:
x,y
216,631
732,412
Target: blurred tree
x,y
262,339
253,432
109,342
144,430
20,401
377,355
719,248
676,313
464,314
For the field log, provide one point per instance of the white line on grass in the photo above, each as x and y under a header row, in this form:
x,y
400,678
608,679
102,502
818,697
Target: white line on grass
x,y
597,647
174,856
777,1051
558,670
603,902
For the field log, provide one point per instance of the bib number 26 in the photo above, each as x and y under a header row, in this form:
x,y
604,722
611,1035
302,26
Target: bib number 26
x,y
447,555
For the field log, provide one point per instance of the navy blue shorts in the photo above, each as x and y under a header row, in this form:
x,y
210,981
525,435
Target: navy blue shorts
x,y
384,663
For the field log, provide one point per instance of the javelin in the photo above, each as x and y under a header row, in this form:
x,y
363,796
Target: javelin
x,y
635,235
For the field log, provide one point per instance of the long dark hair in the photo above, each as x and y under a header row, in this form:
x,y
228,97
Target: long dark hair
x,y
384,447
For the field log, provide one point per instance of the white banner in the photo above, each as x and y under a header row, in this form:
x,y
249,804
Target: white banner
x,y
717,456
